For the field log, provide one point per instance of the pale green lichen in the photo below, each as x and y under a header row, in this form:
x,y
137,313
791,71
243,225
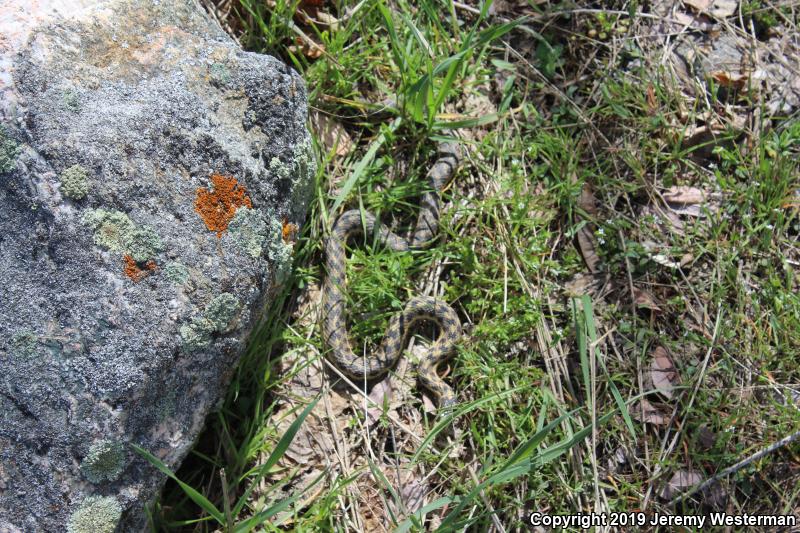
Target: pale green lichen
x,y
24,343
176,272
116,232
112,229
70,100
221,310
249,230
9,150
217,318
220,74
95,514
143,244
197,334
279,251
75,182
105,461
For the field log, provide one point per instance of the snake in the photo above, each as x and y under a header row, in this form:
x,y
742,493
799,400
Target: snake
x,y
417,309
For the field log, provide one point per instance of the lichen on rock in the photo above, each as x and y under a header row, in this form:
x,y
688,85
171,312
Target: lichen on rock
x,y
197,334
104,461
279,251
218,317
249,230
176,272
9,149
75,182
218,206
222,310
95,514
24,343
116,232
143,107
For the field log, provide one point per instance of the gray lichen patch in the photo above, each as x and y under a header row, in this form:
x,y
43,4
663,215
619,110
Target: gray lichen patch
x,y
218,317
196,334
220,74
75,182
9,150
222,310
116,232
96,514
71,101
176,272
249,230
105,461
143,244
279,252
24,344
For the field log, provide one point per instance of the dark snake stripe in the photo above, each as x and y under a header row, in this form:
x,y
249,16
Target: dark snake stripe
x,y
417,309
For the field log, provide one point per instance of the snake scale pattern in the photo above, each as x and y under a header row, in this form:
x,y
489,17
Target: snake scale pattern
x,y
417,309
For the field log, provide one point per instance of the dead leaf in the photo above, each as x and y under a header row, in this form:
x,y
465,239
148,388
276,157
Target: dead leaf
x,y
645,300
706,438
307,47
689,201
381,394
715,8
681,481
331,133
652,102
662,372
697,5
683,194
732,81
586,239
649,414
327,20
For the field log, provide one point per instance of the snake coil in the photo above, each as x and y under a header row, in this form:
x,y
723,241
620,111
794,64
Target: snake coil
x,y
417,309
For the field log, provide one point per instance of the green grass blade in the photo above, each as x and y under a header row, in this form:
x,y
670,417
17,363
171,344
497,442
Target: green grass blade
x,y
419,515
362,165
460,410
261,517
274,457
195,496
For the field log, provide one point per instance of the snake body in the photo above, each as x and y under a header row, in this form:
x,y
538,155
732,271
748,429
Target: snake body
x,y
417,309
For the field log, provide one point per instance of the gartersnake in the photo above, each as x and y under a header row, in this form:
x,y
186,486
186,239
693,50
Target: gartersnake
x,y
418,308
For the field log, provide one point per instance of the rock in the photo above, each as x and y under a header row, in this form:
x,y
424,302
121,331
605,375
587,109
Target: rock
x,y
132,132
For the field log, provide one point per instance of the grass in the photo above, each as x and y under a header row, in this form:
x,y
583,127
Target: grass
x,y
555,359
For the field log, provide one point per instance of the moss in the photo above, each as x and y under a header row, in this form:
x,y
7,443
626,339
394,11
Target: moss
x,y
116,232
249,230
24,344
221,310
176,272
95,514
75,182
9,150
105,461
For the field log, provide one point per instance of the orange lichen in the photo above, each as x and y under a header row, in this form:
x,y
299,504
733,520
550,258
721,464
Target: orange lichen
x,y
218,207
133,271
289,231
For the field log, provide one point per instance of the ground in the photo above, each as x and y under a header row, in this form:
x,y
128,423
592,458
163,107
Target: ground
x,y
620,243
